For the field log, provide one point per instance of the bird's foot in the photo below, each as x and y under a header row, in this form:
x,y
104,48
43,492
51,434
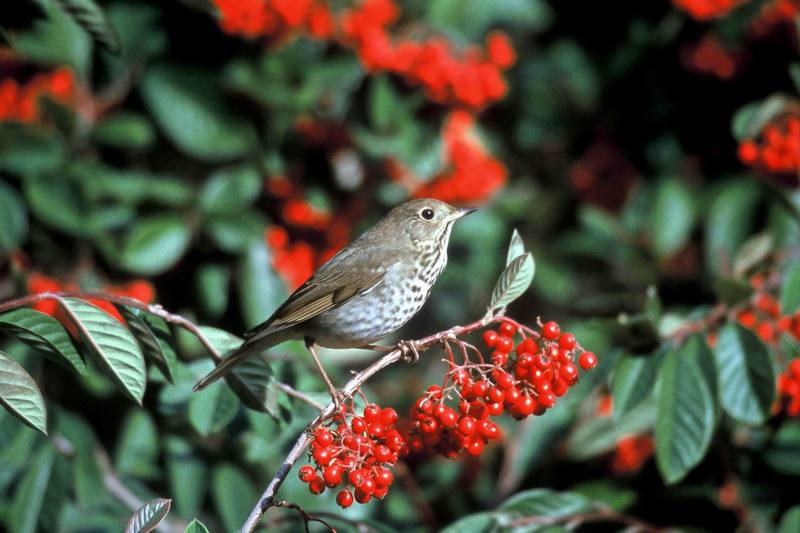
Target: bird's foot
x,y
410,350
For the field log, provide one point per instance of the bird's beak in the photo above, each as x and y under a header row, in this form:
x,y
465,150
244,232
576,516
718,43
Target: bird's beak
x,y
464,211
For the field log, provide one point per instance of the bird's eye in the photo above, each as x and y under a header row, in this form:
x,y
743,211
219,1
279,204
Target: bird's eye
x,y
427,214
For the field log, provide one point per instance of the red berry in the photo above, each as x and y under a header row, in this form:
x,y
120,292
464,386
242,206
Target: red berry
x,y
567,341
527,346
504,344
466,426
507,329
499,358
323,456
512,395
344,498
547,399
355,477
495,394
479,388
316,485
362,497
489,429
475,446
306,473
448,417
333,475
526,405
383,477
371,414
323,437
551,331
587,360
388,416
495,408
358,425
490,338
560,387
504,380
569,372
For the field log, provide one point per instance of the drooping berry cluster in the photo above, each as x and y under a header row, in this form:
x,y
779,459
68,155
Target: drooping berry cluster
x,y
254,18
777,150
355,452
789,388
522,380
20,102
471,175
707,9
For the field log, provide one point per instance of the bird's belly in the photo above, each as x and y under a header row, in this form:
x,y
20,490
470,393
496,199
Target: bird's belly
x,y
369,317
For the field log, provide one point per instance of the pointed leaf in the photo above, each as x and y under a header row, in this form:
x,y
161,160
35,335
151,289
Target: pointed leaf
x,y
13,219
111,345
752,253
790,292
148,516
44,333
515,248
26,508
633,381
545,502
155,244
151,334
514,281
685,421
187,475
253,380
88,15
791,520
196,526
745,374
137,451
233,494
671,217
20,395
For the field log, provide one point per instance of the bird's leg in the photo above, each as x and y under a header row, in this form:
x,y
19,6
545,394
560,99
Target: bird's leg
x,y
335,394
410,351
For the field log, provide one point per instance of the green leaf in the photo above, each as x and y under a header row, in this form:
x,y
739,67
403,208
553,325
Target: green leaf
x,y
196,526
192,113
599,435
545,502
633,381
752,253
227,191
124,129
260,290
514,281
485,522
212,287
26,507
136,453
790,523
749,120
685,421
153,337
111,345
235,233
20,395
382,102
790,292
515,248
212,408
148,516
728,223
187,476
782,452
45,334
13,219
88,15
233,496
671,217
745,374
155,244
55,40
27,153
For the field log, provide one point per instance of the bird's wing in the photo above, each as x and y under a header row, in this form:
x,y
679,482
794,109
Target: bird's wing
x,y
324,291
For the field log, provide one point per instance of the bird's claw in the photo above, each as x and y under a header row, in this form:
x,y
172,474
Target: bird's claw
x,y
410,351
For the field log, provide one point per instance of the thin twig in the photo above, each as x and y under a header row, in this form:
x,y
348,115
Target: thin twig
x,y
303,397
267,499
118,489
307,517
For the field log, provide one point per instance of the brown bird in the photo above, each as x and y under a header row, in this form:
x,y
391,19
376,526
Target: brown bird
x,y
368,290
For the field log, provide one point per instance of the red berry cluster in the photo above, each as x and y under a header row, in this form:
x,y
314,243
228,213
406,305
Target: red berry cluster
x,y
631,453
708,56
707,9
789,388
19,102
254,18
354,452
524,379
472,78
38,283
472,174
778,150
775,13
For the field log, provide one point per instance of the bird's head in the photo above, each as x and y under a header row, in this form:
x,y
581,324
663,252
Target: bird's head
x,y
426,220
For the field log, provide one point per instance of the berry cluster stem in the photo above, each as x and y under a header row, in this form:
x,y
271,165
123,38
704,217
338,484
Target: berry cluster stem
x,y
267,499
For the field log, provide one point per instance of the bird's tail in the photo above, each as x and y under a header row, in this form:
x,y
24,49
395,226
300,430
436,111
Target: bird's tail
x,y
244,351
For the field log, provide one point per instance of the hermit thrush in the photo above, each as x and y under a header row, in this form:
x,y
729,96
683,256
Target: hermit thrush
x,y
368,290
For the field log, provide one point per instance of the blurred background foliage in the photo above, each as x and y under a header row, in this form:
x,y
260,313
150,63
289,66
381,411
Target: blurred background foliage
x,y
208,156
